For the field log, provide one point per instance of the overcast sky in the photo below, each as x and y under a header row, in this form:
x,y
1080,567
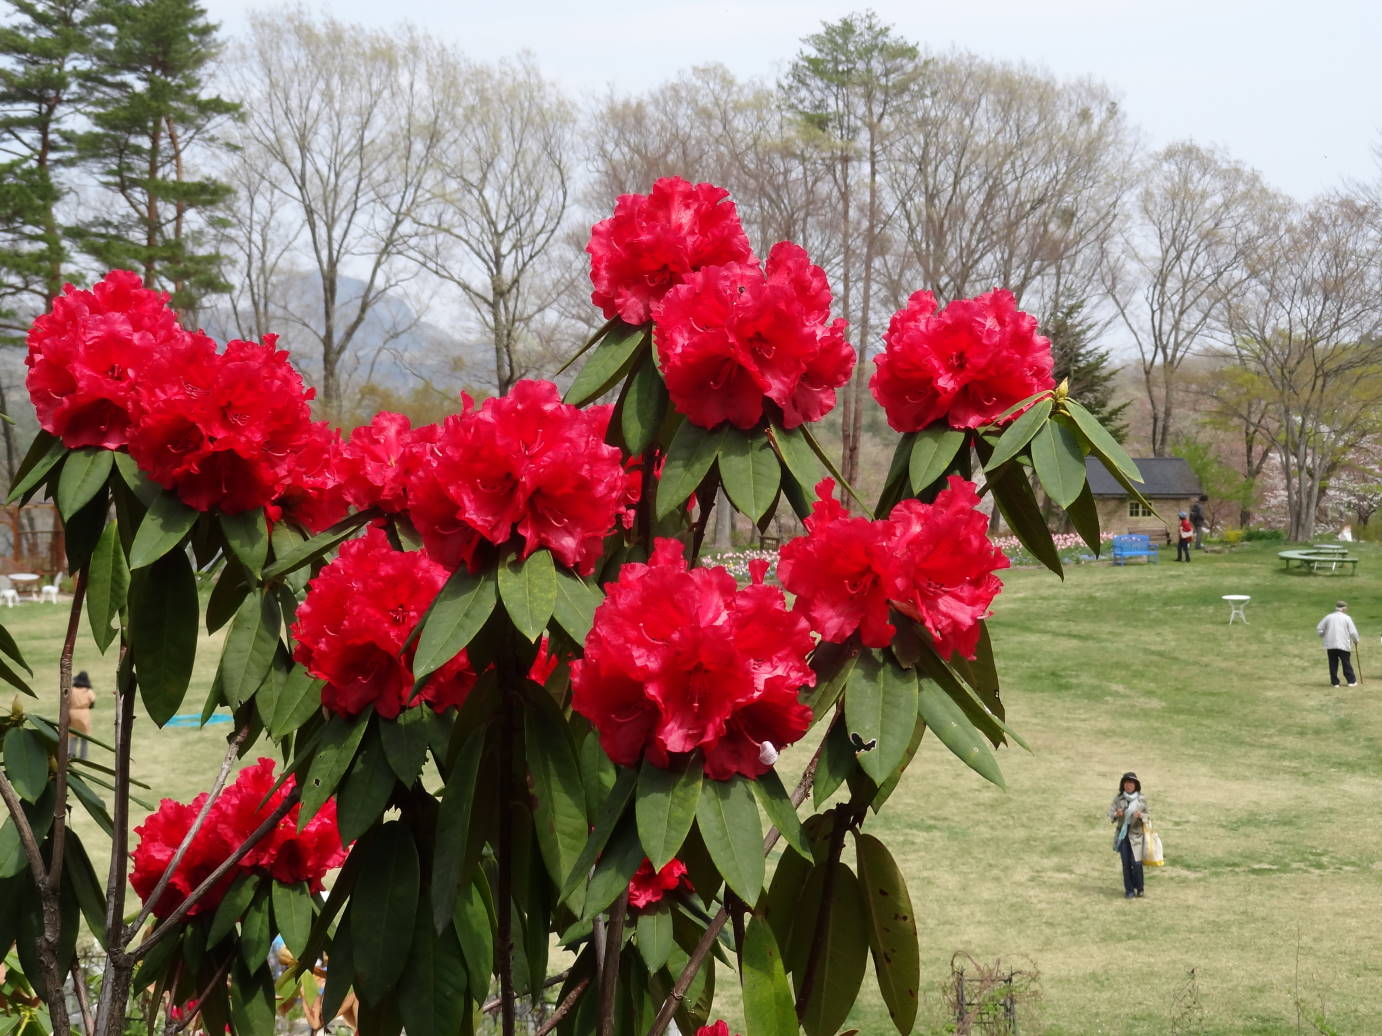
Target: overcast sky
x,y
1291,88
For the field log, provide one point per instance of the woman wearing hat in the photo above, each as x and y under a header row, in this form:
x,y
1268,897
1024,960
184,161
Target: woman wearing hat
x,y
1185,533
1128,812
79,704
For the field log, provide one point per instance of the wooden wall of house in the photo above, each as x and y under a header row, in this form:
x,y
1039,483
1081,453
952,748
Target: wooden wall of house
x,y
1114,517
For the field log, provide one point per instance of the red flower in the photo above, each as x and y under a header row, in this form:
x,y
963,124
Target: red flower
x,y
720,1028
351,629
839,572
314,497
944,577
654,240
285,854
526,463
966,365
376,461
87,358
224,432
731,337
680,660
932,562
647,886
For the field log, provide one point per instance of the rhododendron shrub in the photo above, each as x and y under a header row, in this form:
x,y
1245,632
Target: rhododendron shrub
x,y
497,664
287,855
682,660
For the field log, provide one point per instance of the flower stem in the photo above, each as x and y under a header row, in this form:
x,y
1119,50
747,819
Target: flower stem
x,y
609,977
504,860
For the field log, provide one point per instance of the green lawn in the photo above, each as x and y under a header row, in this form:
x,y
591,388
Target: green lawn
x,y
1263,781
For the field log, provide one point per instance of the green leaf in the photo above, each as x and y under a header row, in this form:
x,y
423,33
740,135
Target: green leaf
x,y
462,607
298,699
612,874
666,807
387,909
610,813
10,647
476,934
163,632
1018,434
750,472
107,586
84,528
231,589
16,681
252,999
293,914
892,929
842,956
528,589
83,474
335,752
304,552
405,740
249,649
1059,463
1084,516
933,450
689,456
881,706
797,457
555,791
145,489
653,932
768,1005
834,664
166,523
247,536
835,473
88,888
44,452
453,827
949,723
1102,443
1018,504
576,604
232,907
609,362
837,761
366,790
962,692
26,762
432,995
727,818
255,934
644,405
777,804
341,973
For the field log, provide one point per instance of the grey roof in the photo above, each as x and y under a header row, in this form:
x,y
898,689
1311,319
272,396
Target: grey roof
x,y
1162,477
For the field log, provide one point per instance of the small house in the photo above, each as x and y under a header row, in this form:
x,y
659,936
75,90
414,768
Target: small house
x,y
1169,486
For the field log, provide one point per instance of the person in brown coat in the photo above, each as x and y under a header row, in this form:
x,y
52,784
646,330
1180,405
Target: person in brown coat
x,y
79,705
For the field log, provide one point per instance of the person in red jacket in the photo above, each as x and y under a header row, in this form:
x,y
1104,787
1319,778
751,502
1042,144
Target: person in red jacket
x,y
1186,534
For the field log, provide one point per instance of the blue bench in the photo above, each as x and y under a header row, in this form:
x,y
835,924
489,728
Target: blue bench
x,y
1133,545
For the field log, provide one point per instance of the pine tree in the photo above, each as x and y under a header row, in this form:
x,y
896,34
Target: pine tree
x,y
150,113
42,54
1089,369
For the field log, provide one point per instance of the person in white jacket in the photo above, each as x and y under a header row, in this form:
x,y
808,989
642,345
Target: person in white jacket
x,y
1340,635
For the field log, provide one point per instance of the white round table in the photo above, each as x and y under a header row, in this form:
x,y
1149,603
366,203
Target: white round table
x,y
26,581
1236,604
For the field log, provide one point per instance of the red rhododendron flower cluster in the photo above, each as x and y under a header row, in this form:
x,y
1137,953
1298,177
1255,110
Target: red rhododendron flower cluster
x,y
228,430
932,562
285,854
647,886
524,463
654,240
966,365
732,337
720,1028
352,627
680,660
379,458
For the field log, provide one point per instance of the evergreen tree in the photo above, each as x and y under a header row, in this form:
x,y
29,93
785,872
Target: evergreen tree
x,y
150,112
1088,368
42,51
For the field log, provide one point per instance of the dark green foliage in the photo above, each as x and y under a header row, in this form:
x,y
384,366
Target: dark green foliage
x,y
150,110
1089,369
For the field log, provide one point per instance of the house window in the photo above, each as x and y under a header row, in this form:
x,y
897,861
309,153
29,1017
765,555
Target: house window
x,y
1137,509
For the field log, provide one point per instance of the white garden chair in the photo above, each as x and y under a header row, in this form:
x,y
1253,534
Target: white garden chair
x,y
49,592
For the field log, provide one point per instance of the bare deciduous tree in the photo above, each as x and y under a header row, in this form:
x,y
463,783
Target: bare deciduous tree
x,y
1194,222
347,123
492,215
